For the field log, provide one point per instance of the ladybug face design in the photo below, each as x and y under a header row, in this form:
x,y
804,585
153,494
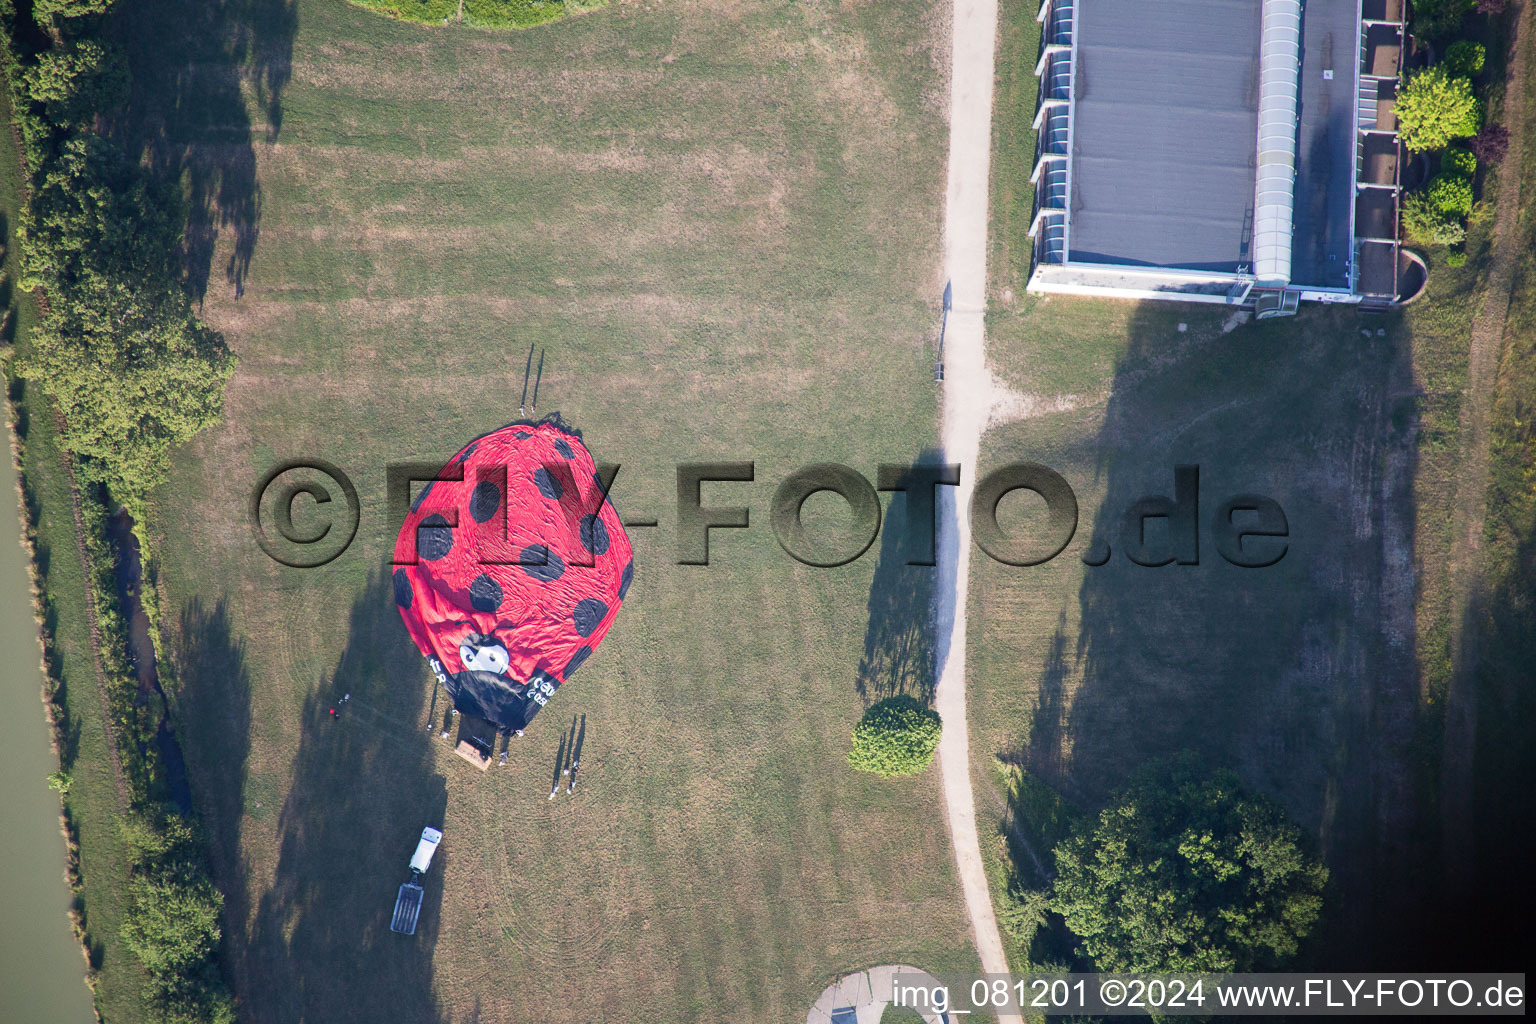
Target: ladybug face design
x,y
484,654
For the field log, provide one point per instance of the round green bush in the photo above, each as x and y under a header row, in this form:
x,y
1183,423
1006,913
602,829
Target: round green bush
x,y
1458,161
1464,58
1450,194
1456,259
1428,225
896,736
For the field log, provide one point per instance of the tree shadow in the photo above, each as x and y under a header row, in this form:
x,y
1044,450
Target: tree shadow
x,y
213,708
188,119
364,785
1043,753
1301,675
1500,895
900,642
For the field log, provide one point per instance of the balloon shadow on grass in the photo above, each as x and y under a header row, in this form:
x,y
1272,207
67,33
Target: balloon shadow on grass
x,y
364,785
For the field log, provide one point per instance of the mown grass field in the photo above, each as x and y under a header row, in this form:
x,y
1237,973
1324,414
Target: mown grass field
x,y
720,225
1317,678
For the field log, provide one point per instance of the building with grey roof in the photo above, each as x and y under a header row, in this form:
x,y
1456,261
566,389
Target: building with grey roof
x,y
1233,151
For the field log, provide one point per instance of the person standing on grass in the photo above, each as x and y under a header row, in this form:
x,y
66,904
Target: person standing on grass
x,y
571,786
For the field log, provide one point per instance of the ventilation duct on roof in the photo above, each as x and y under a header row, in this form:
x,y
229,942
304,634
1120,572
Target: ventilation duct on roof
x,y
1275,181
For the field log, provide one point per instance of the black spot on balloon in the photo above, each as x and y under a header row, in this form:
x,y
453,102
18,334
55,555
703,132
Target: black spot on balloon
x,y
626,580
541,563
484,594
485,501
464,457
577,660
415,505
520,435
547,484
402,588
434,538
563,448
588,615
594,535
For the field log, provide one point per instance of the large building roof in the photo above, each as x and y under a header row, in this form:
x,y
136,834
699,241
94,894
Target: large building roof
x,y
1166,100
1325,173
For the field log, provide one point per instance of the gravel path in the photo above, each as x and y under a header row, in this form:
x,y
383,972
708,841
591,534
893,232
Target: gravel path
x,y
968,397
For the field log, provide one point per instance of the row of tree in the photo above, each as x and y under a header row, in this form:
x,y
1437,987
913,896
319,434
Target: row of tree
x,y
1439,113
120,350
133,372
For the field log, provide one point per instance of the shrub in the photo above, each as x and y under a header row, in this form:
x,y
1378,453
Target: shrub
x,y
60,781
1491,6
1428,225
1464,58
896,736
1456,259
1188,872
1459,162
1434,107
1491,143
1450,194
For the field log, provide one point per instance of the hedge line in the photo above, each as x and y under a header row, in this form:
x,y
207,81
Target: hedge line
x,y
133,372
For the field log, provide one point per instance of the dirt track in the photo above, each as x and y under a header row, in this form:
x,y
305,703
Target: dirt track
x,y
1466,565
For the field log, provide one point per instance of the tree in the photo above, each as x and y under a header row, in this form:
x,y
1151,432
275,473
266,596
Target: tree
x,y
1187,872
76,81
1438,19
1428,225
1450,194
1024,913
896,736
1464,58
133,379
172,920
44,10
1491,143
172,924
1433,107
121,353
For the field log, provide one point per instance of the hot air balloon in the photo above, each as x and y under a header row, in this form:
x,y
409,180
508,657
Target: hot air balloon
x,y
509,575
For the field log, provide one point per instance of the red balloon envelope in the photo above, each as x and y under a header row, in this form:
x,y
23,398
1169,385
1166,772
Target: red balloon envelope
x,y
509,577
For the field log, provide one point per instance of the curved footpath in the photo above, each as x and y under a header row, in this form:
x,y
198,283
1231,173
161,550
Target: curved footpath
x,y
967,403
